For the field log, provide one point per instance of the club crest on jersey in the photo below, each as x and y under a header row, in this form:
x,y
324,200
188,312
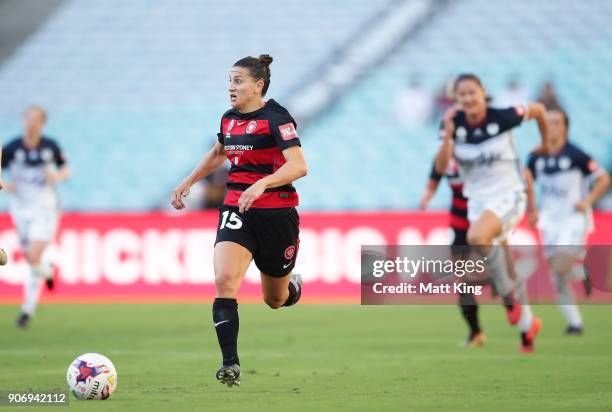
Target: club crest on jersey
x,y
564,163
46,155
461,133
492,129
251,126
20,155
290,252
288,131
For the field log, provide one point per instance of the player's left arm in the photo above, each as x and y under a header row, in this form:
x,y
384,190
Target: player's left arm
x,y
532,209
602,181
63,170
294,168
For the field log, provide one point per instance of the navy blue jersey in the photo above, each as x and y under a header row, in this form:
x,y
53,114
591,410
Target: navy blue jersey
x,y
563,178
485,153
27,168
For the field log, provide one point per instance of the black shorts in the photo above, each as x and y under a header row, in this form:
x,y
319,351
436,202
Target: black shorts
x,y
271,235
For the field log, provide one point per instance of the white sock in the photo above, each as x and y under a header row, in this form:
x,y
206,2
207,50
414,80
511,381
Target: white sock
x,y
572,315
526,318
496,263
567,302
31,291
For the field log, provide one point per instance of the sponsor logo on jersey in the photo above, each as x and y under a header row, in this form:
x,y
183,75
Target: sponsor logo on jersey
x,y
564,163
288,131
230,126
289,252
481,160
251,126
492,129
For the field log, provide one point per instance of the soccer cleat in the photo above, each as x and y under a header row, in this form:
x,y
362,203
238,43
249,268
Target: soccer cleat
x,y
295,283
513,310
229,375
574,330
296,279
476,340
23,320
528,338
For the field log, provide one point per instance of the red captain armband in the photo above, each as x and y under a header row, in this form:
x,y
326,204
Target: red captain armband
x,y
288,131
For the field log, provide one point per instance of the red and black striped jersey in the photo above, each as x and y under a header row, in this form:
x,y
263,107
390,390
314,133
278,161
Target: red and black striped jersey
x,y
254,143
459,205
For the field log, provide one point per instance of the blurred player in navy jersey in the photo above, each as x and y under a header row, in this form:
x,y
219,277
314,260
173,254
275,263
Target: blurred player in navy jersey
x,y
258,220
479,138
35,164
460,224
564,175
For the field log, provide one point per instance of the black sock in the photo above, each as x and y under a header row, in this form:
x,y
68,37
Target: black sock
x,y
225,317
294,294
469,308
524,339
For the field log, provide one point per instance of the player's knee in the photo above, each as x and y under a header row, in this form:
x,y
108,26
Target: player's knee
x,y
226,284
273,302
477,239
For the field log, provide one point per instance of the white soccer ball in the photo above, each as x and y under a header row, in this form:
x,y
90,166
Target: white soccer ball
x,y
92,376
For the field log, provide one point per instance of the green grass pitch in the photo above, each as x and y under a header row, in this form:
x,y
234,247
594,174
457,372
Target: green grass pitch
x,y
315,357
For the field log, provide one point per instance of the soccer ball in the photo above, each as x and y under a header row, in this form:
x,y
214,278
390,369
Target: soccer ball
x,y
92,376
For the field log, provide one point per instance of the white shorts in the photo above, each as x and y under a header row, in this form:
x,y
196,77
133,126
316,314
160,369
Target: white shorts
x,y
508,207
40,226
564,234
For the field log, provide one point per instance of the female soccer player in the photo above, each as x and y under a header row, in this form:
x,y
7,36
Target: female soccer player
x,y
564,175
479,137
258,220
460,224
35,164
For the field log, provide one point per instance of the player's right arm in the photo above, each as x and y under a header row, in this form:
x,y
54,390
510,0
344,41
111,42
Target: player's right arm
x,y
208,164
431,188
445,152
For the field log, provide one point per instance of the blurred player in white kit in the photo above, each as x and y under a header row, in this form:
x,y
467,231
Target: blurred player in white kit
x,y
564,175
35,165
